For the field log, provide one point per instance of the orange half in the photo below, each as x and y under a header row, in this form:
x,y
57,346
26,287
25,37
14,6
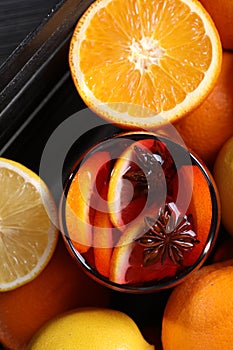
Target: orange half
x,y
141,63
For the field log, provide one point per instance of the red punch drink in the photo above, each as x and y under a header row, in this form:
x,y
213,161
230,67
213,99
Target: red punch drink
x,y
139,212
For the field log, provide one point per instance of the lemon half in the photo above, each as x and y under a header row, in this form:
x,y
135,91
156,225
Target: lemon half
x,y
28,230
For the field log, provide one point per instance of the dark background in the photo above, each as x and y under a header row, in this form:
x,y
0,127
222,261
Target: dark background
x,y
17,19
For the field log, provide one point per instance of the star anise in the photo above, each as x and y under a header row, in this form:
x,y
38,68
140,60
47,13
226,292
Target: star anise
x,y
168,236
148,169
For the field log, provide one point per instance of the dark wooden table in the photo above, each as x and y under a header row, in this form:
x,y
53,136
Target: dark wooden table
x,y
17,19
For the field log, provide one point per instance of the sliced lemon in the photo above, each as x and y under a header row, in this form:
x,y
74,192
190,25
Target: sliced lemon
x,y
28,231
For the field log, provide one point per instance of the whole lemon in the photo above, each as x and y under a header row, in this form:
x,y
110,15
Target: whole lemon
x,y
223,175
90,328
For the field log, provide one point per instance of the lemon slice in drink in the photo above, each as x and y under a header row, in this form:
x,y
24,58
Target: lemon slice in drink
x,y
28,232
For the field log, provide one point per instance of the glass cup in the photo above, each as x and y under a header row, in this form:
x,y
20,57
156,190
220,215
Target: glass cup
x,y
139,212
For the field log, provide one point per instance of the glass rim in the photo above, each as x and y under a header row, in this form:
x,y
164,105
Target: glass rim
x,y
166,283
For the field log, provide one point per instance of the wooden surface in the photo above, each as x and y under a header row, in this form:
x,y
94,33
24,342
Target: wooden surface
x,y
17,19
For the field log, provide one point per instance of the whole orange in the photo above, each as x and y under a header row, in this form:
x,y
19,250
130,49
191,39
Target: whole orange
x,y
207,128
199,312
221,12
61,286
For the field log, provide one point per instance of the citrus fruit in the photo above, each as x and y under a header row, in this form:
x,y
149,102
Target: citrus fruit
x,y
126,262
199,312
147,224
90,328
60,287
207,128
28,232
103,243
221,12
81,197
123,205
203,211
103,240
223,175
140,64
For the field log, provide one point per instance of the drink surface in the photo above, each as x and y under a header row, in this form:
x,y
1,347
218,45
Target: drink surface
x,y
137,211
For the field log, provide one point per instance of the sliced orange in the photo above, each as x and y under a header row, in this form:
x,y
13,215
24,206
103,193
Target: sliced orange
x,y
200,207
127,258
124,205
203,210
102,237
102,242
28,225
140,63
81,198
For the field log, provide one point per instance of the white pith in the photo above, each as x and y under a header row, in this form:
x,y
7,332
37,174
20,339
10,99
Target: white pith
x,y
144,53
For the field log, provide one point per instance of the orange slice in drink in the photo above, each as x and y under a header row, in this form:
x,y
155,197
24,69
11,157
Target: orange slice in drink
x,y
102,237
127,263
127,259
124,203
102,242
202,208
141,63
82,196
138,180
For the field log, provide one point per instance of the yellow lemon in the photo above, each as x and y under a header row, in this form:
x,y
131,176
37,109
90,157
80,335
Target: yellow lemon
x,y
90,328
28,232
